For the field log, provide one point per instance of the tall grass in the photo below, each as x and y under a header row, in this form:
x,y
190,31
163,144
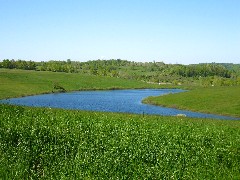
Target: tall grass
x,y
38,143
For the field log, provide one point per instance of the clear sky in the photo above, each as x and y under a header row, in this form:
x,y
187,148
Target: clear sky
x,y
172,31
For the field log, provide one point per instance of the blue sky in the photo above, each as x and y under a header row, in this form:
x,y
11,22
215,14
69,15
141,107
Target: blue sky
x,y
172,31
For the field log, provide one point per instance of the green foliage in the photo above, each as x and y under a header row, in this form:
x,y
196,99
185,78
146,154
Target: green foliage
x,y
58,88
232,67
19,64
157,72
201,70
40,143
218,100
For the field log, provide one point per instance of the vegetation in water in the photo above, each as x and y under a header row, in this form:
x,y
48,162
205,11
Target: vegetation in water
x,y
38,143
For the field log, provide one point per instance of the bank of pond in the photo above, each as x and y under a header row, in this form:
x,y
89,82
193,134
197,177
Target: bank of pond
x,y
124,101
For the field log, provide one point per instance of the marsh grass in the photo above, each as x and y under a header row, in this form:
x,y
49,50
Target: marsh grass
x,y
38,143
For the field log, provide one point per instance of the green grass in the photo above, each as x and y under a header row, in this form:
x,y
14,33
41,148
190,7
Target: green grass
x,y
15,83
42,143
37,143
216,100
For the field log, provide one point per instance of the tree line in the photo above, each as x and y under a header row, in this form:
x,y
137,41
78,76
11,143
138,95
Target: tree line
x,y
146,71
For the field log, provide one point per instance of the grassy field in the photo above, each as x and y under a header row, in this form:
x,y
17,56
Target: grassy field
x,y
40,143
43,143
215,100
15,83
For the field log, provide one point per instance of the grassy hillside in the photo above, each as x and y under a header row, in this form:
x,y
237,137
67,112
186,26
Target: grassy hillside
x,y
217,100
40,143
14,83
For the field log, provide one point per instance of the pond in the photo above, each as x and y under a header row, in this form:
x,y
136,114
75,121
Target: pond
x,y
126,101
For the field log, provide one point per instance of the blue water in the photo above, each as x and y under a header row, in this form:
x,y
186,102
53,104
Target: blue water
x,y
127,101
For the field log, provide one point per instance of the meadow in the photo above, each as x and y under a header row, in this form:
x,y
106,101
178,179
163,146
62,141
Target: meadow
x,y
215,100
45,143
16,83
